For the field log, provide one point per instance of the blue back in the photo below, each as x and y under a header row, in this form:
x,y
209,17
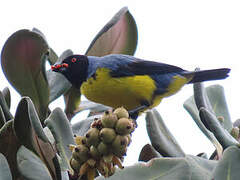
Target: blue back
x,y
124,65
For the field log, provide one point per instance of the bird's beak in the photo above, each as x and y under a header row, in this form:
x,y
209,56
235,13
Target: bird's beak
x,y
59,67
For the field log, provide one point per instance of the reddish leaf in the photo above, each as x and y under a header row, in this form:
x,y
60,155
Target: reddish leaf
x,y
147,153
72,102
9,146
30,133
118,36
22,59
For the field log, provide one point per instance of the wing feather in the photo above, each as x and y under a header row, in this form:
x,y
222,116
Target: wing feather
x,y
124,65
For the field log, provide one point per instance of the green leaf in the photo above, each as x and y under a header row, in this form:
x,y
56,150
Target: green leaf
x,y
26,121
94,108
58,84
2,118
22,57
59,125
228,166
30,133
7,114
49,135
80,128
118,36
217,99
213,99
147,153
203,155
160,137
72,102
192,109
5,172
209,118
9,145
30,166
236,123
35,30
7,96
65,175
189,167
222,135
52,57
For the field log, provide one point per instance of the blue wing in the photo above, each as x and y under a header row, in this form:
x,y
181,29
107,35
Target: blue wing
x,y
124,65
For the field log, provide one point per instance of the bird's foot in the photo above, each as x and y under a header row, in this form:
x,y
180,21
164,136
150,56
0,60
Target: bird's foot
x,y
135,112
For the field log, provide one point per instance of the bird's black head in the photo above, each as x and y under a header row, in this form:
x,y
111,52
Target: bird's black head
x,y
74,68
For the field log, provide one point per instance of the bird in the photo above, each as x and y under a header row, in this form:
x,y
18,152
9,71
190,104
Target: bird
x,y
118,80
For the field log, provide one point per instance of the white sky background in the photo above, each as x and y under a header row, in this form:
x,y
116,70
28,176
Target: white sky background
x,y
186,33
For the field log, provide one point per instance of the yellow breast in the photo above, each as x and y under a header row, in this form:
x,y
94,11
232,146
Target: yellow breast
x,y
128,92
115,92
177,83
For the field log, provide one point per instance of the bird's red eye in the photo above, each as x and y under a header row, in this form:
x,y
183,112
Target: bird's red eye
x,y
74,60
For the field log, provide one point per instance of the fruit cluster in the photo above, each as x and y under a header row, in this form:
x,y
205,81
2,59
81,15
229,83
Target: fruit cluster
x,y
103,146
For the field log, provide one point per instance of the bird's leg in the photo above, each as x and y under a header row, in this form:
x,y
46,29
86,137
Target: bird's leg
x,y
134,112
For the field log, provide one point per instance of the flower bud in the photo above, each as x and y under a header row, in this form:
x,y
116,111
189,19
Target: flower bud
x,y
124,126
121,113
107,135
102,148
109,119
92,137
80,153
75,165
94,152
119,145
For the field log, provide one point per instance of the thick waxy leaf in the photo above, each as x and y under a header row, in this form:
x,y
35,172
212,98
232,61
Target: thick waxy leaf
x,y
222,135
7,96
189,167
208,117
236,123
49,135
58,84
5,173
192,109
72,102
22,58
203,155
30,133
65,175
148,152
118,36
40,33
7,114
228,166
9,146
52,56
217,99
94,108
213,98
160,137
81,127
30,165
59,125
2,118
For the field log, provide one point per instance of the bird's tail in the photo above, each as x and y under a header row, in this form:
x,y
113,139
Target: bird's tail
x,y
207,75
